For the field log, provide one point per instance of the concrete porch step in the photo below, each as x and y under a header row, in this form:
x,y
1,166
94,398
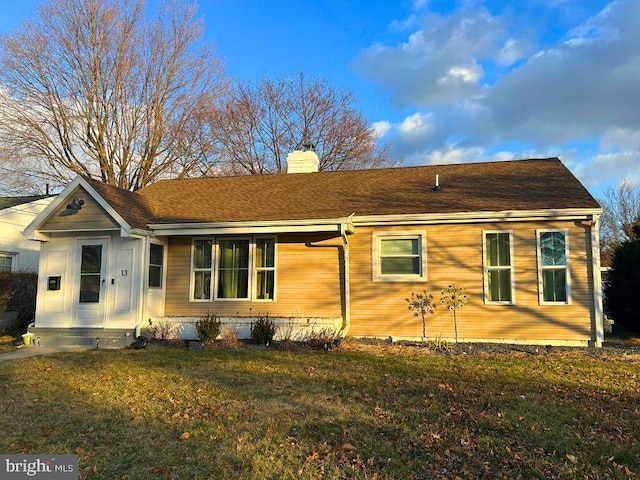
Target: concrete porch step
x,y
82,337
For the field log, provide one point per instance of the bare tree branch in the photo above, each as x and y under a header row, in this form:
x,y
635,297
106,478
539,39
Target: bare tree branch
x,y
104,89
620,213
261,122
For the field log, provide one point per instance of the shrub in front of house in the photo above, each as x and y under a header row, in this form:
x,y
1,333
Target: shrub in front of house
x,y
18,294
263,330
208,328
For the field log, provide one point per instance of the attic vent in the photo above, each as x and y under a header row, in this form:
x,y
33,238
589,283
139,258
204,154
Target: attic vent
x,y
437,187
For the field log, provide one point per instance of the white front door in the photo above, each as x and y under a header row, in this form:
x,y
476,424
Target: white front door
x,y
91,283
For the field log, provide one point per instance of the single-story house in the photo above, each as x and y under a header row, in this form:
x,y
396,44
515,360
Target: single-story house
x,y
328,250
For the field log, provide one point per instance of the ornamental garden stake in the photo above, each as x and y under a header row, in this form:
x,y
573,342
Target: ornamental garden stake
x,y
421,304
454,298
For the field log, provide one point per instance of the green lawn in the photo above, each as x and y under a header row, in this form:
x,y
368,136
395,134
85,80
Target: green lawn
x,y
362,412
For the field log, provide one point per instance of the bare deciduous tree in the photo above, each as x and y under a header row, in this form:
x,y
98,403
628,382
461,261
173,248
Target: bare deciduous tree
x,y
261,122
105,89
620,212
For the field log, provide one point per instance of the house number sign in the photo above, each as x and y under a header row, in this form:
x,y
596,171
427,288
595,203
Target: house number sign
x,y
124,273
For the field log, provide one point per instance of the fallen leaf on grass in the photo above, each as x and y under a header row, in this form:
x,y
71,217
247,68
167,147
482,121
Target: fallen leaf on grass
x,y
184,436
347,447
572,458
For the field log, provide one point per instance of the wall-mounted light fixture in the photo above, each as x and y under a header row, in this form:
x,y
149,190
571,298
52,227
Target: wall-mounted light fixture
x,y
75,205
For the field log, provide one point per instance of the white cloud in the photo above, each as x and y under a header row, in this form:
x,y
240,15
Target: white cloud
x,y
416,127
381,128
579,88
442,48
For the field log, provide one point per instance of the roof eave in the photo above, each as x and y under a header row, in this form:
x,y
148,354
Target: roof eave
x,y
343,225
480,216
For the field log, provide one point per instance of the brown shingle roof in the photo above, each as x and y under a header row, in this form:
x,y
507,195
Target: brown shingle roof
x,y
8,202
472,187
536,184
136,210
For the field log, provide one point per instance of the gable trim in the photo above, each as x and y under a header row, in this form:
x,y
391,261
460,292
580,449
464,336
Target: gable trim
x,y
33,230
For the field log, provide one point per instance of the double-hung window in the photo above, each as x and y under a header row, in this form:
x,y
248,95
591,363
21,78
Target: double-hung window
x,y
554,281
399,256
6,263
201,267
498,267
265,268
233,269
156,262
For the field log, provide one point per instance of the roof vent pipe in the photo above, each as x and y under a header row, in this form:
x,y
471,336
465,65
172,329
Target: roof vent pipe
x,y
437,188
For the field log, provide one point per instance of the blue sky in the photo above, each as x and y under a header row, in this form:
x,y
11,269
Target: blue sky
x,y
455,81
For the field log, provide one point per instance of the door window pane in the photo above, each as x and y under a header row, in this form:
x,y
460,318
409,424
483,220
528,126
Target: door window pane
x,y
90,273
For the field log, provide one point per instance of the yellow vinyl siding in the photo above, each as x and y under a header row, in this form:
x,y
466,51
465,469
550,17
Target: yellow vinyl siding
x,y
454,255
307,282
90,217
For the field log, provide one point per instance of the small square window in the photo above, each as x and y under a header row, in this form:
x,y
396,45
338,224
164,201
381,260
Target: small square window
x,y
399,257
6,263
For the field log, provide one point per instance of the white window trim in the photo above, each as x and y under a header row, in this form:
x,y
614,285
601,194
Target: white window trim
x,y
215,250
192,276
541,267
14,259
255,270
485,268
377,237
163,266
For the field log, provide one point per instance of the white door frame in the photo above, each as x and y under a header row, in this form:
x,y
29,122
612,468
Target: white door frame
x,y
90,313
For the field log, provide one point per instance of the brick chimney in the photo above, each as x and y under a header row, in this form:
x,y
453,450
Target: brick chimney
x,y
303,161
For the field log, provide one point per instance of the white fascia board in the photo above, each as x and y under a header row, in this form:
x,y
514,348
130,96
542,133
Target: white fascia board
x,y
32,230
477,217
338,225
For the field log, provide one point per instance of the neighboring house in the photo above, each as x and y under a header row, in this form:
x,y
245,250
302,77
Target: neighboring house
x,y
339,249
16,252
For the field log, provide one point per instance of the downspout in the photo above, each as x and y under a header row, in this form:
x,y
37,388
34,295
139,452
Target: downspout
x,y
146,240
345,230
597,280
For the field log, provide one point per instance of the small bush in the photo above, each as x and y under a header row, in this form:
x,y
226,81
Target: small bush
x,y
18,294
163,330
322,339
208,328
286,343
263,330
230,338
439,345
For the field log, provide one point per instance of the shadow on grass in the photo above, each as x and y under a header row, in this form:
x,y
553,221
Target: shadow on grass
x,y
340,415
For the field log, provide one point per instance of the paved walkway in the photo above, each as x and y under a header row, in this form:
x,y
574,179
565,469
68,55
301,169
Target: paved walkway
x,y
24,352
